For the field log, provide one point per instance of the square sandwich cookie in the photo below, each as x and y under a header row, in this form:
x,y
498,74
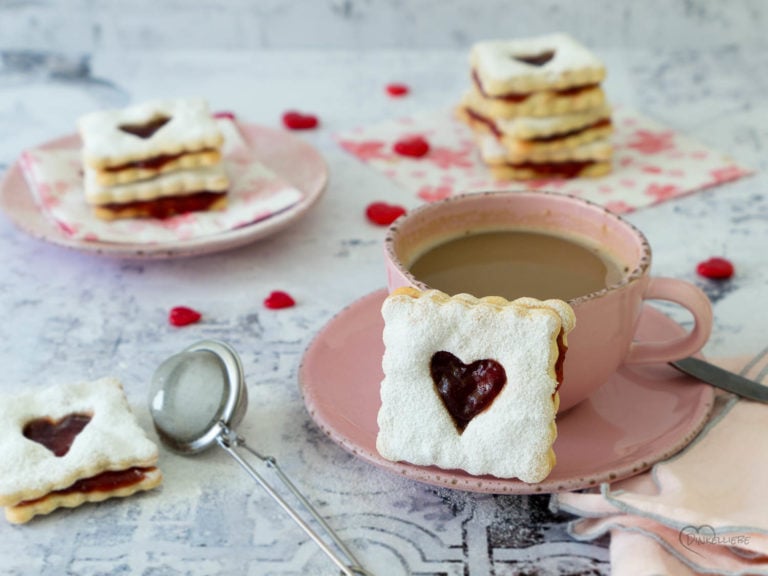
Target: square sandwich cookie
x,y
192,190
537,104
527,135
555,62
153,160
589,160
148,139
471,383
67,445
540,76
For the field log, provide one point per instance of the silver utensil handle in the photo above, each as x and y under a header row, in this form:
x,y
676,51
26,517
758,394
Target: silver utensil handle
x,y
271,461
349,566
722,378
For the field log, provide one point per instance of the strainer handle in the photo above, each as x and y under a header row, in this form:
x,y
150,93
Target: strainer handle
x,y
230,440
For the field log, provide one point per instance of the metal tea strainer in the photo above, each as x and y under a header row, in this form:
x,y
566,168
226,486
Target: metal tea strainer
x,y
197,398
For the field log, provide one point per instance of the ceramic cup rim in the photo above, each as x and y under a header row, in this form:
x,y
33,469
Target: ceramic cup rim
x,y
640,270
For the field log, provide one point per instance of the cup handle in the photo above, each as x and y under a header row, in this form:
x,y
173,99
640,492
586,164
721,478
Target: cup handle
x,y
689,297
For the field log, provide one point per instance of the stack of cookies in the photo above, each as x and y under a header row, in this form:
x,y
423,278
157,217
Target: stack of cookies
x,y
155,159
538,109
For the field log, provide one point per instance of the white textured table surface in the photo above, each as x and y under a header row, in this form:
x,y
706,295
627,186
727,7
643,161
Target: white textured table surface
x,y
71,316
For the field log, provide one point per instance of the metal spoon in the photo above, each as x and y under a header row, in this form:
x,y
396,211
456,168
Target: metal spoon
x,y
197,397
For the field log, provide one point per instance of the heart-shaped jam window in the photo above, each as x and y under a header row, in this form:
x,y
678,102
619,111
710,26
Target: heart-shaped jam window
x,y
145,130
466,389
56,435
536,59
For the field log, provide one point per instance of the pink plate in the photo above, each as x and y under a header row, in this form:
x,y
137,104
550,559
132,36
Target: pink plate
x,y
640,416
290,157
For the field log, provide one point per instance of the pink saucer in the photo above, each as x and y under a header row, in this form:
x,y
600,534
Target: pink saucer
x,y
640,416
287,155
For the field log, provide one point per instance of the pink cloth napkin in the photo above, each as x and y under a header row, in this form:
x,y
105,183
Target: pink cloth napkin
x,y
652,163
55,178
703,511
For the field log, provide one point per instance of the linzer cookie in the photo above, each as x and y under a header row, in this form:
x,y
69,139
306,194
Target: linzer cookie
x,y
67,445
527,134
471,383
540,98
144,140
160,197
515,68
146,144
585,161
537,104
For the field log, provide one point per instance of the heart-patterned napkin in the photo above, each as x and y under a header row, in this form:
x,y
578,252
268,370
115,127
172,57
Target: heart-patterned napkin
x,y
652,163
256,193
703,511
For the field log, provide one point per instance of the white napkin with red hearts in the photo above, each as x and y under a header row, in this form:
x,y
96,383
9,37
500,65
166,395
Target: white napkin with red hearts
x,y
652,163
703,511
256,193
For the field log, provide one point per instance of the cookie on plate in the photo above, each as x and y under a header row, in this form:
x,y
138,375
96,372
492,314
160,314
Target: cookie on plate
x,y
147,139
471,383
172,193
154,159
67,445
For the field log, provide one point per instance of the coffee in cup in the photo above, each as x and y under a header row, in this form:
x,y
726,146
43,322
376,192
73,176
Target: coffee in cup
x,y
518,263
545,245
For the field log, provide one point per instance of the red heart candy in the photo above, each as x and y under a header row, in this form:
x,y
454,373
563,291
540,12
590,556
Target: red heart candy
x,y
225,114
383,214
182,316
715,268
278,299
396,89
413,147
298,121
466,389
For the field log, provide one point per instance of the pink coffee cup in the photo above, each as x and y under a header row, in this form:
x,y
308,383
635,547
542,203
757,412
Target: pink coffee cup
x,y
606,320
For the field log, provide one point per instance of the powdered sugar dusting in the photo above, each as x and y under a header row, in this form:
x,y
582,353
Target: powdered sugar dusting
x,y
513,436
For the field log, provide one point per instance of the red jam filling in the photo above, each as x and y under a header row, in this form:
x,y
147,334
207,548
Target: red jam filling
x,y
104,482
560,363
466,389
166,207
602,123
56,435
490,124
537,59
569,169
155,162
523,96
145,130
